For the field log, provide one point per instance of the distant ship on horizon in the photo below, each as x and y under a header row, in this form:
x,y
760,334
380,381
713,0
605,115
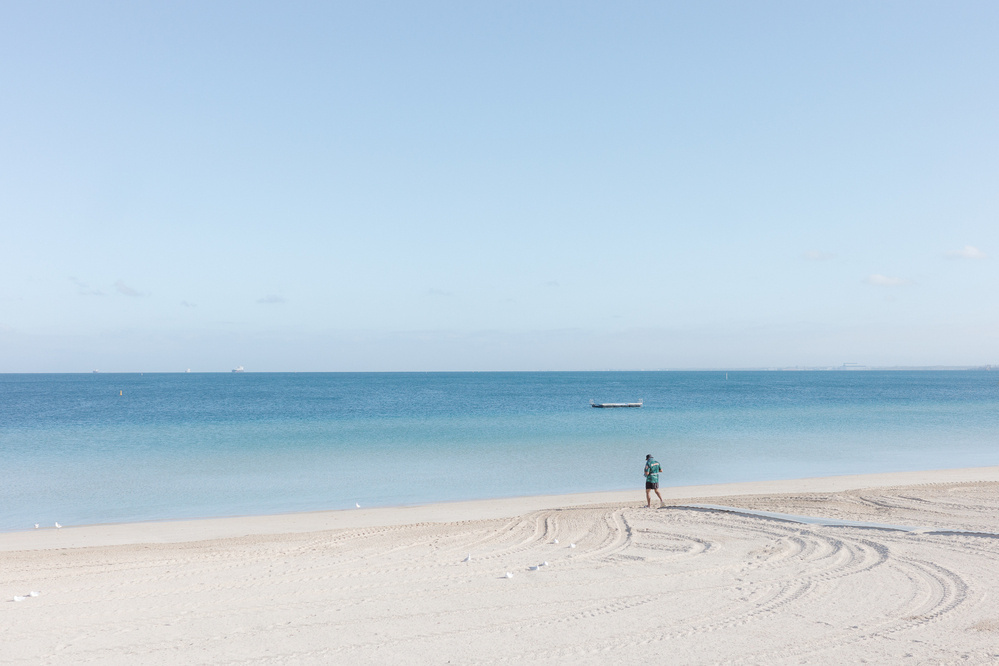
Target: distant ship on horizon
x,y
238,368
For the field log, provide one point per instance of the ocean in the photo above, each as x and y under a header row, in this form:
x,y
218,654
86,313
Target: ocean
x,y
99,448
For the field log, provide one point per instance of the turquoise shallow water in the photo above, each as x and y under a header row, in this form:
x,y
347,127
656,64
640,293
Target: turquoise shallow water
x,y
187,445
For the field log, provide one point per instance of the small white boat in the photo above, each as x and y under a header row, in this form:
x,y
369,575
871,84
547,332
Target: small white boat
x,y
607,405
238,369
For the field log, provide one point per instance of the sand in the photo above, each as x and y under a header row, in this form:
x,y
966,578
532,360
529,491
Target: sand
x,y
672,585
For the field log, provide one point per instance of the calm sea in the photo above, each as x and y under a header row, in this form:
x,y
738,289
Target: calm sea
x,y
126,447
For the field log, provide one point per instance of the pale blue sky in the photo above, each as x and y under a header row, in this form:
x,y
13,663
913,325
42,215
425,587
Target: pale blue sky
x,y
493,186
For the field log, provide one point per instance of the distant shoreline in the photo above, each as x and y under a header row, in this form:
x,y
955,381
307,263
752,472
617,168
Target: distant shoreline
x,y
857,368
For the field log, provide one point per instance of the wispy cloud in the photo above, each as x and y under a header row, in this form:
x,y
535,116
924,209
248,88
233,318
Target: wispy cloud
x,y
885,280
84,289
124,289
272,299
817,255
967,252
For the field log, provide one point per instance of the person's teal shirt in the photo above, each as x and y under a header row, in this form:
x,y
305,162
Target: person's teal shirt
x,y
652,470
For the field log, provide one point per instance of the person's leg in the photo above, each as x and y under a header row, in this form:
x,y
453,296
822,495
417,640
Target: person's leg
x,y
663,503
648,498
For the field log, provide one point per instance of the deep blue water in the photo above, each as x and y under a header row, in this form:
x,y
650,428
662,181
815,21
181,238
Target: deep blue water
x,y
186,445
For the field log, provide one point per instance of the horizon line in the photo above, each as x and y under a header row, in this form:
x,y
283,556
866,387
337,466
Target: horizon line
x,y
817,368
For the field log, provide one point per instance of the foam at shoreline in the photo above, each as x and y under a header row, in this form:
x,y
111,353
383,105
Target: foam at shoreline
x,y
178,531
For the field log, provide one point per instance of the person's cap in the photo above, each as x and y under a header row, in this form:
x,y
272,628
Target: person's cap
x,y
648,457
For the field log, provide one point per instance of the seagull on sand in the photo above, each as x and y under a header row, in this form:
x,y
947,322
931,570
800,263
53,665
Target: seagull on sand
x,y
36,526
572,545
356,505
509,575
58,525
534,568
555,541
33,593
468,559
20,598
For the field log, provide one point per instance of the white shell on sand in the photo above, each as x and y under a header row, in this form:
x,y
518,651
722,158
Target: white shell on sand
x,y
509,575
19,597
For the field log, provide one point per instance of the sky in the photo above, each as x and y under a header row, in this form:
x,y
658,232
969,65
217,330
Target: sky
x,y
389,186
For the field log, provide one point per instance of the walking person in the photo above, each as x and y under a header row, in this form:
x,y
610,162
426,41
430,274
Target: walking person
x,y
651,472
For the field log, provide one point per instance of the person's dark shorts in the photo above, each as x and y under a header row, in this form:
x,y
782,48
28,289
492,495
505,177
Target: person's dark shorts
x,y
652,486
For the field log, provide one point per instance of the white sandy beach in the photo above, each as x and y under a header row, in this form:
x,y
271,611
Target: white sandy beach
x,y
674,585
